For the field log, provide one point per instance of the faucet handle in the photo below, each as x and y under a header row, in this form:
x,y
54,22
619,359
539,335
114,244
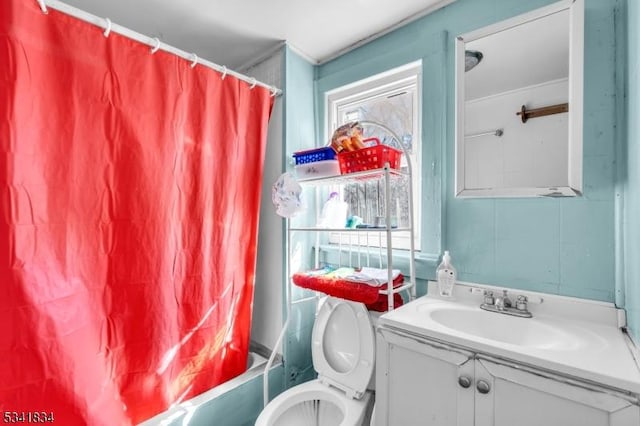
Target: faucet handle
x,y
488,297
521,302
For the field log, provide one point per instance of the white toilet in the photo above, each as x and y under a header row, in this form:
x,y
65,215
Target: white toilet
x,y
343,351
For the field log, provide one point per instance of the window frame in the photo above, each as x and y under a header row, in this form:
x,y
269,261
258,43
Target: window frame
x,y
388,83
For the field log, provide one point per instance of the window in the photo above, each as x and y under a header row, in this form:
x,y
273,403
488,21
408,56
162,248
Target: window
x,y
391,99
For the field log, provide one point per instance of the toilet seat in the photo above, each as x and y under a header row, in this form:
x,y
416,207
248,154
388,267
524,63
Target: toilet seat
x,y
343,346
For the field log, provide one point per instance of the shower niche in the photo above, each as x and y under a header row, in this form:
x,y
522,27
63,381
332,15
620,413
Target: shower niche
x,y
519,91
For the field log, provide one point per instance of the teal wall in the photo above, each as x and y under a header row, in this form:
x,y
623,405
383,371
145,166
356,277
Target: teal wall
x,y
299,135
631,176
563,246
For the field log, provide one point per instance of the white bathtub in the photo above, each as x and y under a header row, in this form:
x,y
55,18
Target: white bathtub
x,y
255,360
179,414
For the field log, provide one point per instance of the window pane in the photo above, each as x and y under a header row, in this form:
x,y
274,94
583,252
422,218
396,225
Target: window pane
x,y
396,111
367,201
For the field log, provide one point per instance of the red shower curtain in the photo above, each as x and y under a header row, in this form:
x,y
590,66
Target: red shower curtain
x,y
129,188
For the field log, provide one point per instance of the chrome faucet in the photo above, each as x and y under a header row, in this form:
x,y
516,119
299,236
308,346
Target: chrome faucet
x,y
503,304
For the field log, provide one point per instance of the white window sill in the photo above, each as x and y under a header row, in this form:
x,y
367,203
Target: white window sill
x,y
425,263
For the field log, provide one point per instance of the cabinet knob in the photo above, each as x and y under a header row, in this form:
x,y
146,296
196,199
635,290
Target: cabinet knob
x,y
464,381
483,387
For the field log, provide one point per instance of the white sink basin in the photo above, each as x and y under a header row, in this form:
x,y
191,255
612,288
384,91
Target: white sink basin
x,y
576,337
526,332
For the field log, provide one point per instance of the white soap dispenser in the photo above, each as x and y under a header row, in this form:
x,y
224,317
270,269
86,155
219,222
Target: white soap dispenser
x,y
446,276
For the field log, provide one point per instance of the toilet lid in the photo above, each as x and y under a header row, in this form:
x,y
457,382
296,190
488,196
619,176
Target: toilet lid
x,y
343,346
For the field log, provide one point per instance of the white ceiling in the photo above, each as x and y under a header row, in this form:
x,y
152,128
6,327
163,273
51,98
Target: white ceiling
x,y
237,32
528,54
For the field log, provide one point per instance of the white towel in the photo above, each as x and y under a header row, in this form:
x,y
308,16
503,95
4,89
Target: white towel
x,y
374,277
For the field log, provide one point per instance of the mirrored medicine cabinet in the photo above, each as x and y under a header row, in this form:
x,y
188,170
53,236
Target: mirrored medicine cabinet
x,y
519,91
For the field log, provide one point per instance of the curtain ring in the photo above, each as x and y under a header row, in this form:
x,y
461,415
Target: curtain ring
x,y
195,60
274,91
43,6
156,46
108,28
253,83
224,72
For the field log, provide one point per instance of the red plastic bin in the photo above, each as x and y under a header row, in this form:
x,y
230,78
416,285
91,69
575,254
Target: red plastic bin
x,y
369,158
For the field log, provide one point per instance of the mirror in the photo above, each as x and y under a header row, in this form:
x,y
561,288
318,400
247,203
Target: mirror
x,y
519,88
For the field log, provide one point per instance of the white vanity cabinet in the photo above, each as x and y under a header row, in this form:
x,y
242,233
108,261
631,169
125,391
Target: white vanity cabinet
x,y
417,382
507,395
424,382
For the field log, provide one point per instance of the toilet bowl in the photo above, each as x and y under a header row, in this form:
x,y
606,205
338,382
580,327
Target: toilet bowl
x,y
343,352
313,403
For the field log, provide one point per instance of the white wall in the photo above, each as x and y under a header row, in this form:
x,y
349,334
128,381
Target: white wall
x,y
531,154
267,302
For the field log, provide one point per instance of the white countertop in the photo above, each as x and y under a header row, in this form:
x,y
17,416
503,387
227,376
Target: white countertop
x,y
584,337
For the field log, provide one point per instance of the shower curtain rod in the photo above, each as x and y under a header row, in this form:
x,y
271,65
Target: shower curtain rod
x,y
152,42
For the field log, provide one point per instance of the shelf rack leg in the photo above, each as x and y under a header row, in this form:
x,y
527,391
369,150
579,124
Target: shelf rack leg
x,y
387,194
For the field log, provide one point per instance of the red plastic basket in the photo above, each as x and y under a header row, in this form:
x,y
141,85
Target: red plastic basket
x,y
369,158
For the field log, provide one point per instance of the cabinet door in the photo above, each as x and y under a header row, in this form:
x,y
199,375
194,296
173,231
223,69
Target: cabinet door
x,y
419,382
507,396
